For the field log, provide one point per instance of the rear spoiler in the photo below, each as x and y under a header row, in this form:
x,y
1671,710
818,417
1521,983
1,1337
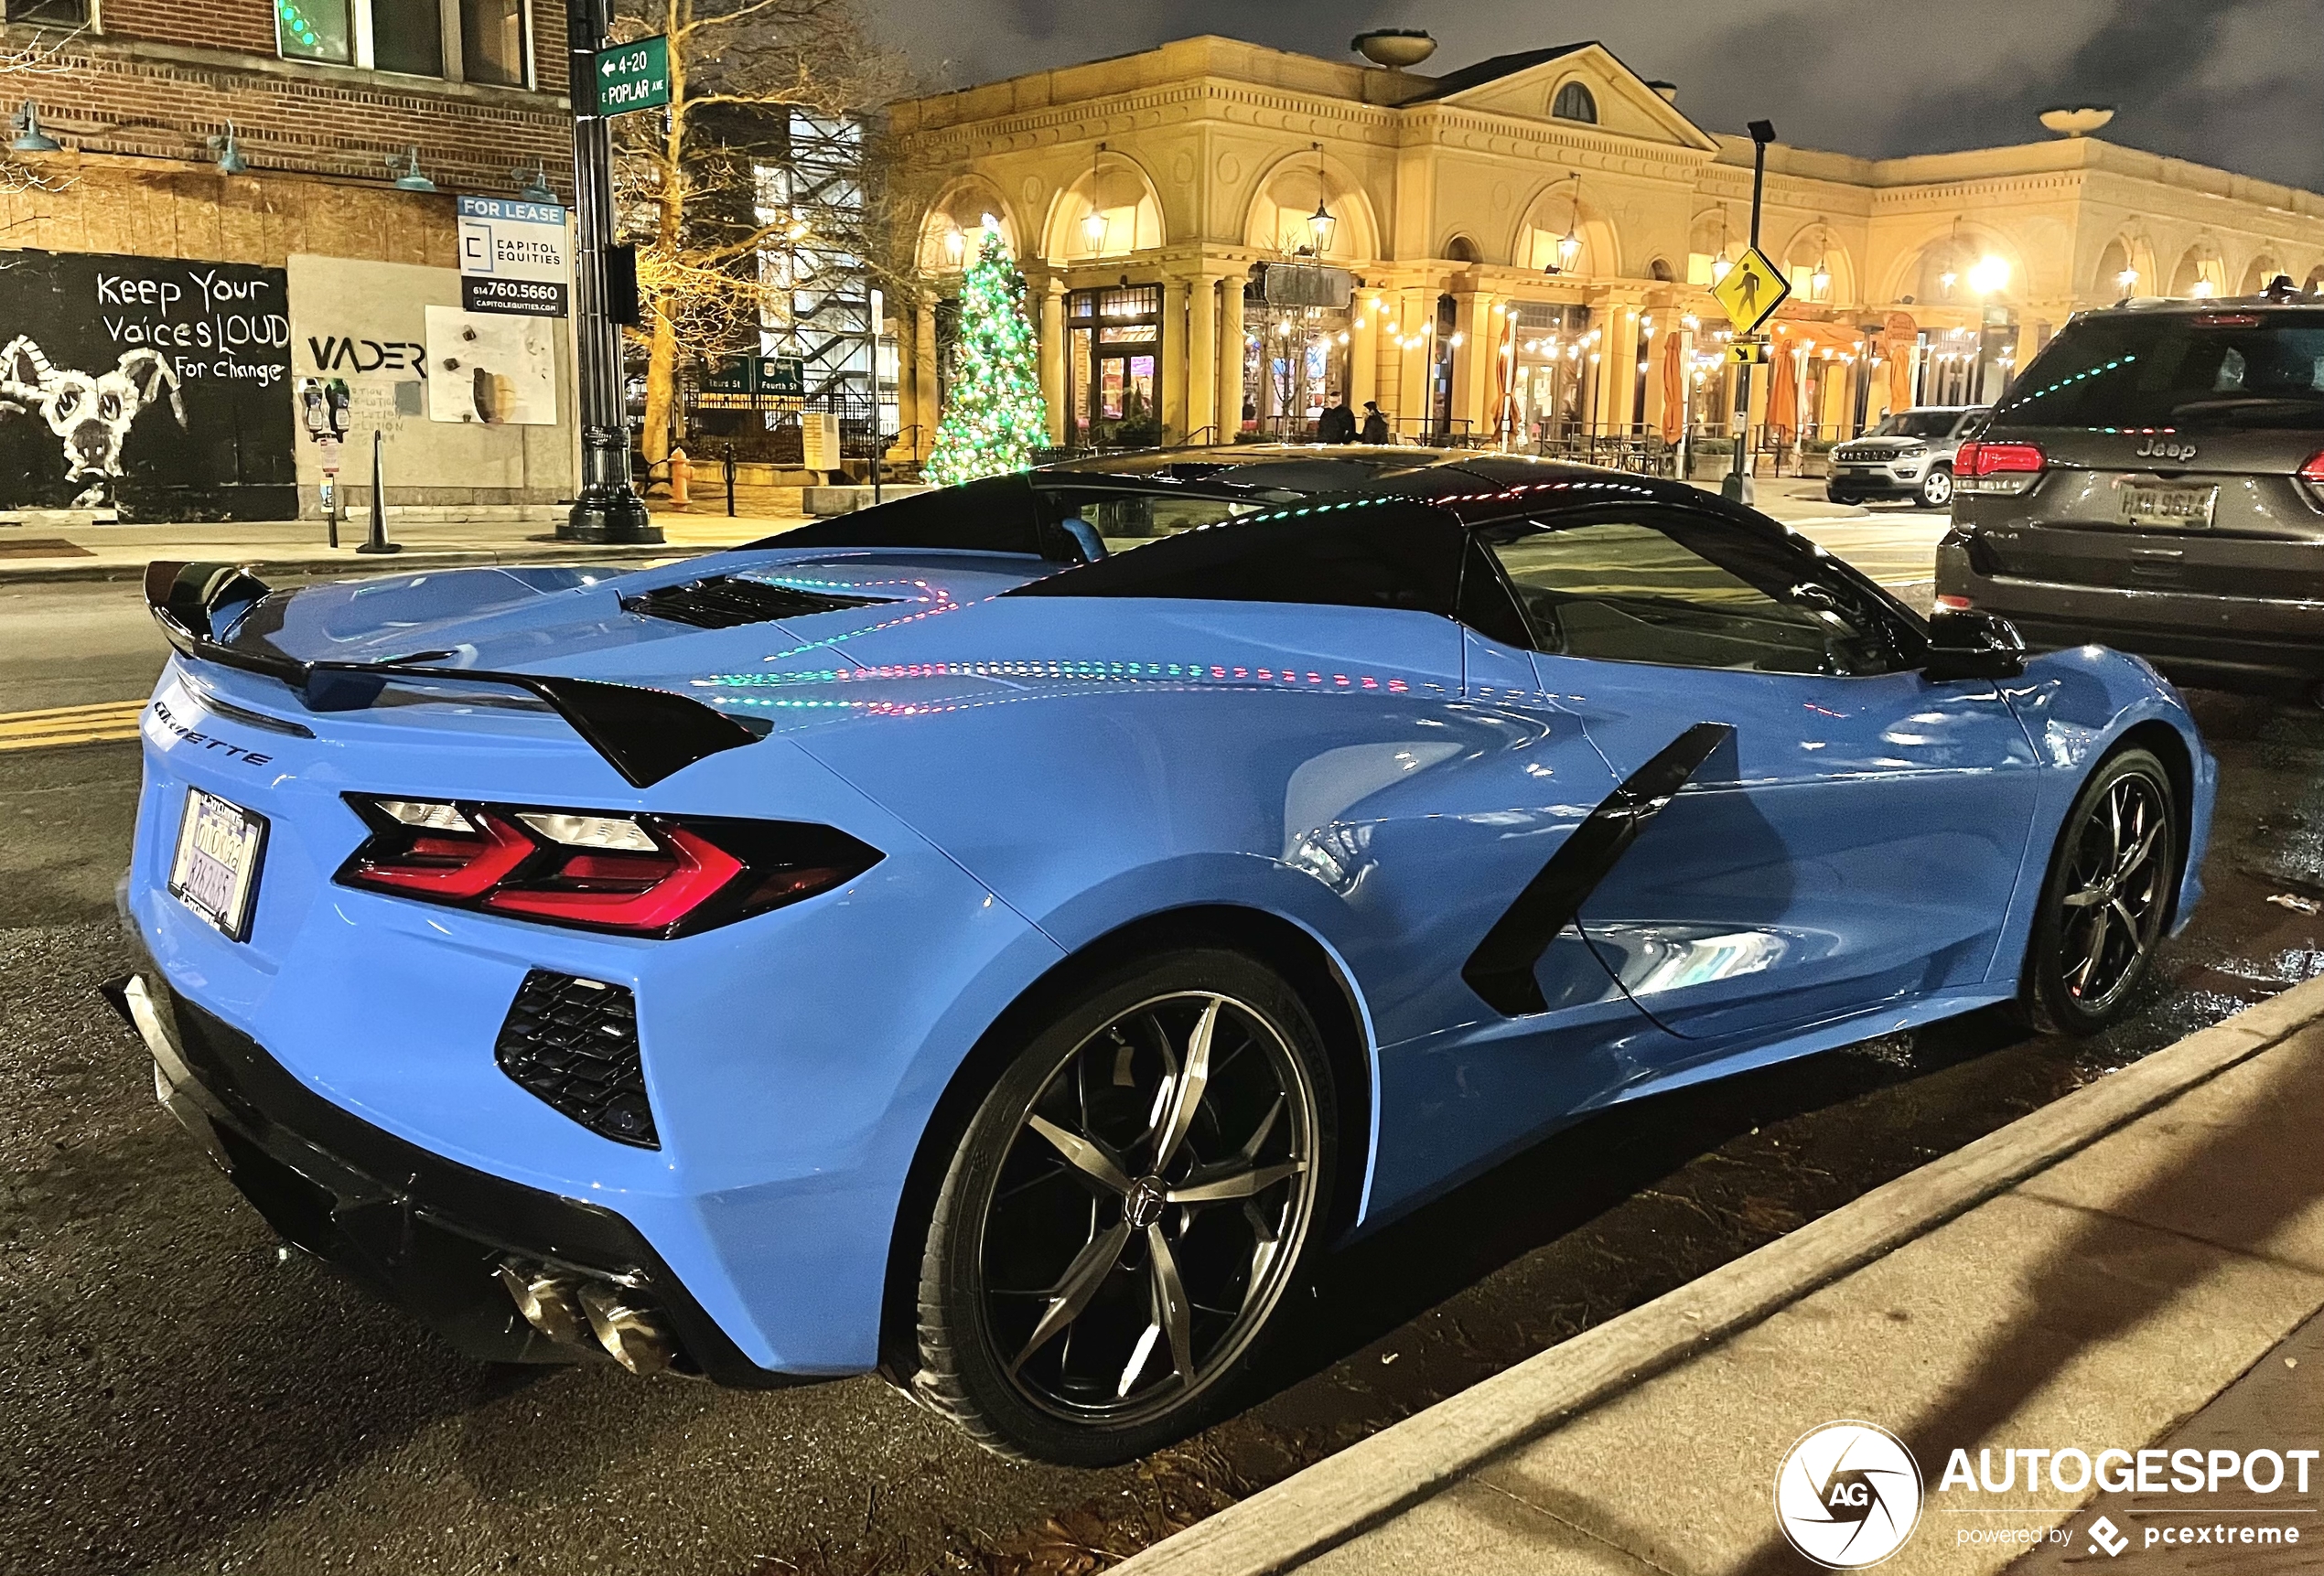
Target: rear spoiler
x,y
645,735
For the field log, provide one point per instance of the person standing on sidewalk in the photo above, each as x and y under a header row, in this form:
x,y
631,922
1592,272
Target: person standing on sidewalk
x,y
1375,425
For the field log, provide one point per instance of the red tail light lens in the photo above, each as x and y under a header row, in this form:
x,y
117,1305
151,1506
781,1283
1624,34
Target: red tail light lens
x,y
2313,471
1979,460
635,876
635,892
434,851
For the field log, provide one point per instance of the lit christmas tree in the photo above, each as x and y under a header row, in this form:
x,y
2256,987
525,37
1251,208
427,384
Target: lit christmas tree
x,y
995,417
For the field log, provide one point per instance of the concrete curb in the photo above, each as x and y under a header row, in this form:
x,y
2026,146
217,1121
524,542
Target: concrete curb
x,y
342,563
1335,1499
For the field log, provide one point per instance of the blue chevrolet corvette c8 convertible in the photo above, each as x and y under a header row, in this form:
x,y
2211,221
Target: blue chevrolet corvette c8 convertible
x,y
1004,939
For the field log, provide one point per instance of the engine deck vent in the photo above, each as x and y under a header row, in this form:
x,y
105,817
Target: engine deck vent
x,y
724,601
574,1042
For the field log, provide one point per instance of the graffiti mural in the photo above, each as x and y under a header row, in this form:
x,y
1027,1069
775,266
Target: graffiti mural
x,y
156,387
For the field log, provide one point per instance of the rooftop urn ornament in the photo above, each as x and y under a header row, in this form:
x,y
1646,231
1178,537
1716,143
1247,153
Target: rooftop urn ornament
x,y
2077,120
1395,47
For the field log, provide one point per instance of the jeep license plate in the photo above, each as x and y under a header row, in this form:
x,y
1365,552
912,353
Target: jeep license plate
x,y
2183,507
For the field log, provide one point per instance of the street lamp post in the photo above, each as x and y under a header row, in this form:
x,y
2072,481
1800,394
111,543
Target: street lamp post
x,y
1737,486
607,508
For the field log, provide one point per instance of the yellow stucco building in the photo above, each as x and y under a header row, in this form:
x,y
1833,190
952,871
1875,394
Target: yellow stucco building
x,y
1221,239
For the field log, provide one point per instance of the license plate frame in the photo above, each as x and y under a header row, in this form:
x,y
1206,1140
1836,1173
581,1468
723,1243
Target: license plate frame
x,y
2168,506
214,869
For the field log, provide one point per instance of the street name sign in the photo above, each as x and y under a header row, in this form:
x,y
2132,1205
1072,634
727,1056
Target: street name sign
x,y
512,257
1752,291
751,383
633,76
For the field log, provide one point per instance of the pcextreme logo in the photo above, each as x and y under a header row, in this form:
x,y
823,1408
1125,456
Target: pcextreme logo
x,y
1848,1495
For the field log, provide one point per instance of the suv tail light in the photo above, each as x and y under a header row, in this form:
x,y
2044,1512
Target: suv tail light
x,y
2312,472
1998,467
631,875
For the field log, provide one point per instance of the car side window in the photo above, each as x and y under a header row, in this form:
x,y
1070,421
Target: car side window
x,y
1646,585
1360,552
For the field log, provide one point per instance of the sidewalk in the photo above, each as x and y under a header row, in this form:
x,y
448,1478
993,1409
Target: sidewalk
x,y
35,553
2135,1264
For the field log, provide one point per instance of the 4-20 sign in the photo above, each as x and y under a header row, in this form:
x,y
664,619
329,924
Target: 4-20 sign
x,y
633,76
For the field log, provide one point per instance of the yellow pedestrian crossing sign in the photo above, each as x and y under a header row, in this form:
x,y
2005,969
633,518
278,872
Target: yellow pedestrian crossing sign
x,y
1752,291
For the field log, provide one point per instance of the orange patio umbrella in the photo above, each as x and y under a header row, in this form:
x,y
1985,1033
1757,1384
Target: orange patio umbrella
x,y
1899,374
1783,398
1673,390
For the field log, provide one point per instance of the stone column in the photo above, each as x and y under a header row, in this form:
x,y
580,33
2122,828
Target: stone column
x,y
1473,384
1408,413
1619,370
1052,352
1655,346
1175,370
1363,354
1202,356
924,352
1230,357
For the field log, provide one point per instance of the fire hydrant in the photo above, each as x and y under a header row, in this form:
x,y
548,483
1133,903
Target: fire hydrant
x,y
681,476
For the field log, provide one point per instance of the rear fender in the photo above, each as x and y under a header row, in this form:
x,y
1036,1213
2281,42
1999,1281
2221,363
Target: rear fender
x,y
2079,707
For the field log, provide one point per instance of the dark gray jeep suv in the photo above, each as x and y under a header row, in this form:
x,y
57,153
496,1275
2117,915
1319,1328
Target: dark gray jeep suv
x,y
2154,481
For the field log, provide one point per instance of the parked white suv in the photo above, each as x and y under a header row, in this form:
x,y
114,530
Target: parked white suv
x,y
1907,456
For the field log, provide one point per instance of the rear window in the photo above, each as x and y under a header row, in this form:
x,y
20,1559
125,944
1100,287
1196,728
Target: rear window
x,y
1917,424
2226,368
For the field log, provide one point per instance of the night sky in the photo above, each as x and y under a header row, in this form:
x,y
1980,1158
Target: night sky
x,y
2237,84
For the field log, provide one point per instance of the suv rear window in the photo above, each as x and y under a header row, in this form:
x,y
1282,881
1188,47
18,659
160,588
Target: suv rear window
x,y
1917,424
2236,369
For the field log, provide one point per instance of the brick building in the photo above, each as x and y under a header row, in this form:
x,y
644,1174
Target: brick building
x,y
290,254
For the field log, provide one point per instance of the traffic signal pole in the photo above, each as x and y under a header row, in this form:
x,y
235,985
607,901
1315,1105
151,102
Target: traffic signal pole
x,y
1736,488
607,509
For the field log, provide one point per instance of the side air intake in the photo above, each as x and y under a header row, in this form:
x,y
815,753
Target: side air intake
x,y
574,1042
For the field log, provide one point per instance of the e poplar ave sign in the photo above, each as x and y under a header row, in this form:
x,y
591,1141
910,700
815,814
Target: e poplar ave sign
x,y
633,76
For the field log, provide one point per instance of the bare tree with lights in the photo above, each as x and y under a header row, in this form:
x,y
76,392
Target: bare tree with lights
x,y
700,186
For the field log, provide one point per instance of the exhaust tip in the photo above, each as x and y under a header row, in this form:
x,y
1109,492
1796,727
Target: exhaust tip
x,y
550,1302
630,1331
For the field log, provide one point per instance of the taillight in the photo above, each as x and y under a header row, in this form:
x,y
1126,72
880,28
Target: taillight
x,y
1981,460
1953,604
2313,471
1997,468
636,876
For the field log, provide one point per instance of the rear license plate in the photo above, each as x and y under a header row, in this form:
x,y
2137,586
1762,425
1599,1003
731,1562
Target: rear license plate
x,y
2179,506
215,871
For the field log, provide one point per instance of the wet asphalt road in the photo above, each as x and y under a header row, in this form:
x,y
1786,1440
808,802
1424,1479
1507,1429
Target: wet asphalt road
x,y
175,1395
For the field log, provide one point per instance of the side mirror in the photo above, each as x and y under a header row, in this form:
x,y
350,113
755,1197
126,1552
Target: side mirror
x,y
1973,646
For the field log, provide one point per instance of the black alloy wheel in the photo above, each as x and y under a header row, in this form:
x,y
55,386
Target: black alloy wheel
x,y
1128,1206
2108,894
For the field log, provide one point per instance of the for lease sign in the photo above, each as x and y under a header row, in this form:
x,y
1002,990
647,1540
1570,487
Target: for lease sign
x,y
512,257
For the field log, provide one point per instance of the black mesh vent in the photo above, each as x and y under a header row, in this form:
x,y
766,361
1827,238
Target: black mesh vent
x,y
722,602
575,1044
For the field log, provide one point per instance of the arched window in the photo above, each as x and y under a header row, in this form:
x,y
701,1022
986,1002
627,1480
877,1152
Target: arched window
x,y
1460,249
1573,103
1659,269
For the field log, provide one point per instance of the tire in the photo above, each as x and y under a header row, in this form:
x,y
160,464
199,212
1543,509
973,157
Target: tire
x,y
1058,1254
2109,889
1936,489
